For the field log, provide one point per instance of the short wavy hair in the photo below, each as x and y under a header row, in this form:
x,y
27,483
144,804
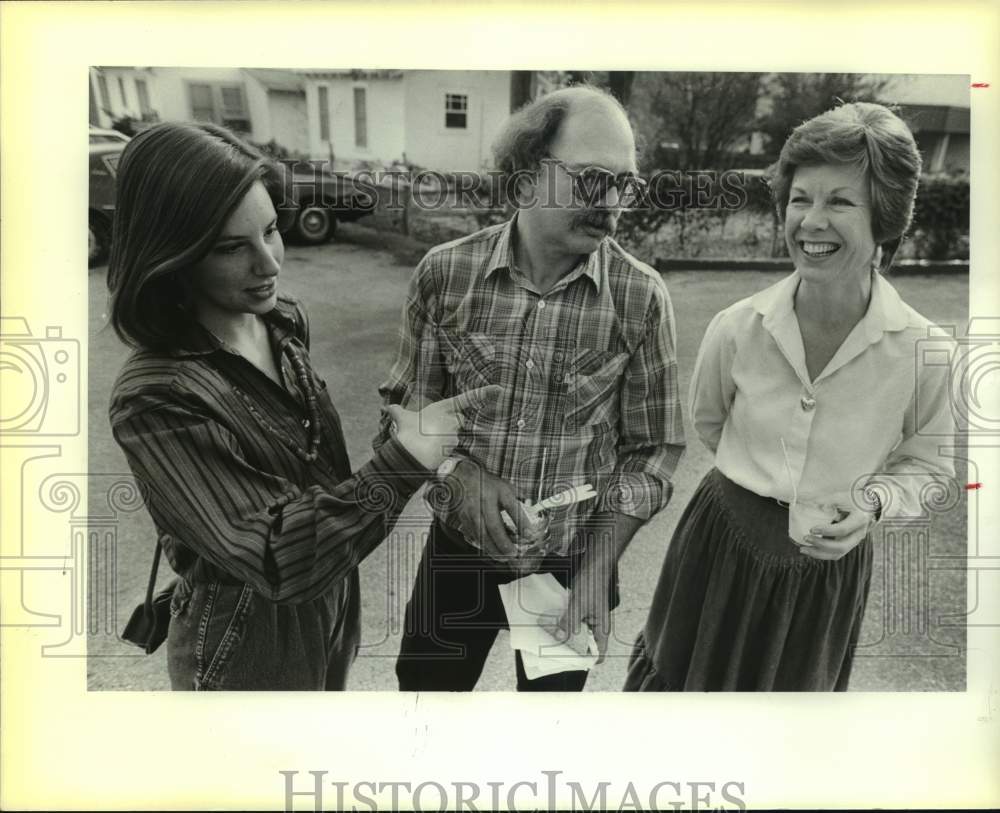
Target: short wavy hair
x,y
528,134
177,185
874,139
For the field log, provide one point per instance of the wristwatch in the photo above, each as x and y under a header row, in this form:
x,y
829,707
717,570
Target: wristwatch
x,y
447,467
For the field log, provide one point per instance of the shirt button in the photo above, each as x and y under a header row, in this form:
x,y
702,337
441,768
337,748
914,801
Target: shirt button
x,y
808,403
305,422
529,364
558,356
520,423
541,305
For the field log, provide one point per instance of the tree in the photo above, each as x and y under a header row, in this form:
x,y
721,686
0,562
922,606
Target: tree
x,y
703,115
620,84
792,98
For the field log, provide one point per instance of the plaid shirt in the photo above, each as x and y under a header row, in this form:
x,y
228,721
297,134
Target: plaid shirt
x,y
218,447
588,372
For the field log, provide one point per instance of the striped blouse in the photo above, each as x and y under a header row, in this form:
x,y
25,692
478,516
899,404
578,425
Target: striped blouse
x,y
219,450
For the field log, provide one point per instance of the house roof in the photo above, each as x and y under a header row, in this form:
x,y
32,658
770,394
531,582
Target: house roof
x,y
930,118
275,79
355,73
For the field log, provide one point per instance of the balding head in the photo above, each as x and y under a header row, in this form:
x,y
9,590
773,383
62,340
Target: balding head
x,y
551,152
531,133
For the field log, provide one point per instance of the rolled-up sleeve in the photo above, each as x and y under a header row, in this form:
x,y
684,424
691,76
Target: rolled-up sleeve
x,y
288,543
651,427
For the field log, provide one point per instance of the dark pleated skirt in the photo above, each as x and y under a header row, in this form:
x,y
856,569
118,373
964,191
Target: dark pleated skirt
x,y
738,608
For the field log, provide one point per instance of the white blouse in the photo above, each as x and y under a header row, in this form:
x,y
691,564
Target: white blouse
x,y
878,415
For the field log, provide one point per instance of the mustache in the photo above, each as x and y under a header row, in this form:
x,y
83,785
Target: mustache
x,y
598,220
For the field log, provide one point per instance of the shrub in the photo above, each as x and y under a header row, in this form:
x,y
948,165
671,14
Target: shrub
x,y
940,229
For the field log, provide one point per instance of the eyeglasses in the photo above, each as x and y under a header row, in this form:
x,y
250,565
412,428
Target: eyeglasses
x,y
592,184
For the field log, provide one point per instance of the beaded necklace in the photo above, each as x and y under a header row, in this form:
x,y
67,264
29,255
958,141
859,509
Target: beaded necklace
x,y
306,387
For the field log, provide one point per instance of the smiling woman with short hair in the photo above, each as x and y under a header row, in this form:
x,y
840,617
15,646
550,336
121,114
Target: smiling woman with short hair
x,y
808,395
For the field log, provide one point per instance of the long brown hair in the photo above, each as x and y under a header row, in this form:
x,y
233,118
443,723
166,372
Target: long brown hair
x,y
177,185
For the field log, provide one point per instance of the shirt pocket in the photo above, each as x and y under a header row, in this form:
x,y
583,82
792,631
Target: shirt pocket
x,y
593,383
470,359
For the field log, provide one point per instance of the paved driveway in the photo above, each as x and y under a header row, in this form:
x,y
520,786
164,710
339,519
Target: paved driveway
x,y
354,289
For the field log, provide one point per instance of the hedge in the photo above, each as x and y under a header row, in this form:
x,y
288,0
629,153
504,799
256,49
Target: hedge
x,y
689,207
690,202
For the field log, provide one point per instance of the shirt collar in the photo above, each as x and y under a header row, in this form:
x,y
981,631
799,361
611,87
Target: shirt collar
x,y
502,256
777,301
196,340
886,311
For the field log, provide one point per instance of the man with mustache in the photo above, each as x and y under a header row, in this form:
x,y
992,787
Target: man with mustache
x,y
580,336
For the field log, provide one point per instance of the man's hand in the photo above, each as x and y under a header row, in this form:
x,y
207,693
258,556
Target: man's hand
x,y
607,534
836,539
588,607
480,498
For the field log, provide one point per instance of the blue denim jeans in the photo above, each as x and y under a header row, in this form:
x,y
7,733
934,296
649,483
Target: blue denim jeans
x,y
229,637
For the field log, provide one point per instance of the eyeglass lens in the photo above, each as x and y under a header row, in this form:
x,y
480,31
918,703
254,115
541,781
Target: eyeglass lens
x,y
595,183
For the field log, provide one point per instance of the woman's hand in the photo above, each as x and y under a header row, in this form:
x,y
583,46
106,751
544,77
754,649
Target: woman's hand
x,y
838,538
430,434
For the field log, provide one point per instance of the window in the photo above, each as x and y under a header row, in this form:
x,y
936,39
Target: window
x,y
142,91
360,118
202,108
456,110
324,113
219,103
121,91
102,87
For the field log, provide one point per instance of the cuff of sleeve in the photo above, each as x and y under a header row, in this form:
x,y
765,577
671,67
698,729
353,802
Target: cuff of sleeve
x,y
395,468
384,433
637,495
873,498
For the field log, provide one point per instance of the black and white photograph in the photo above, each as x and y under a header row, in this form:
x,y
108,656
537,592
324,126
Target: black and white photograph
x,y
413,359
749,487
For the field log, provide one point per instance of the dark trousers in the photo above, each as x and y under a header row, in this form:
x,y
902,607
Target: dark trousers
x,y
455,613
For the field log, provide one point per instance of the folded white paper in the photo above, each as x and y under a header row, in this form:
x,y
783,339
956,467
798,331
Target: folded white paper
x,y
530,602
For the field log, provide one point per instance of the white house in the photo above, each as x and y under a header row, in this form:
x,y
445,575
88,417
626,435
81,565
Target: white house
x,y
262,104
117,92
442,120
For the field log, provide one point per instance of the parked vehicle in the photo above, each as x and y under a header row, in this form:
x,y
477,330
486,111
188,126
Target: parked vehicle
x,y
98,135
105,150
324,199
